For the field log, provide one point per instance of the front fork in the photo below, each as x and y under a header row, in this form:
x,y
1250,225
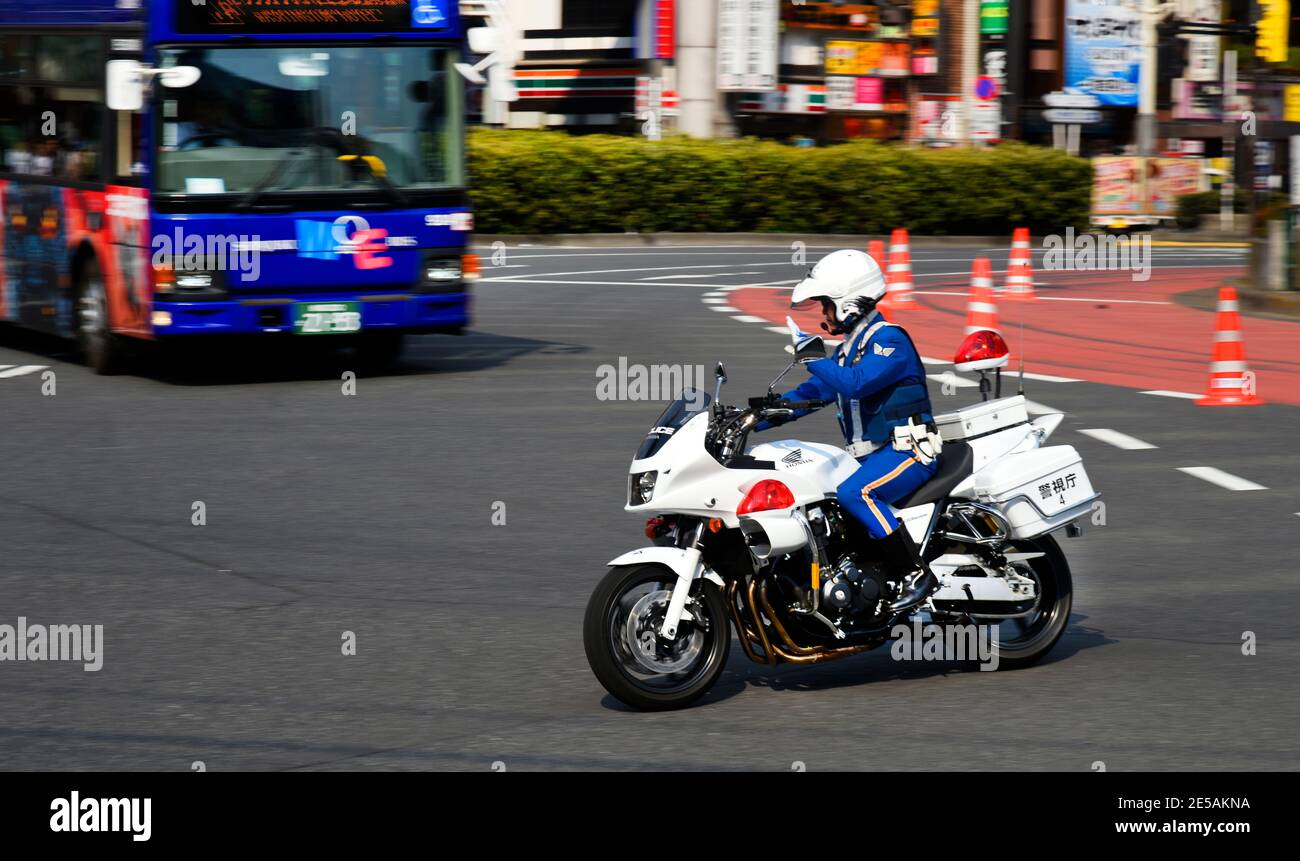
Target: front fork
x,y
686,575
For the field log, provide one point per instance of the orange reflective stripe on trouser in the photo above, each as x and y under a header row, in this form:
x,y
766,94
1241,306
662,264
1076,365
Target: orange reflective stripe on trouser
x,y
883,480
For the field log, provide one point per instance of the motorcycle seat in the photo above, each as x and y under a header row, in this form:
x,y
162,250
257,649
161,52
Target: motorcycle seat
x,y
956,462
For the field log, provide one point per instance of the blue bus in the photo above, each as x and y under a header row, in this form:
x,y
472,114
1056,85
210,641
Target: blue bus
x,y
183,168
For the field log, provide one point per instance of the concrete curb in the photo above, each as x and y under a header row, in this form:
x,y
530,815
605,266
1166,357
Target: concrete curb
x,y
1284,303
1270,304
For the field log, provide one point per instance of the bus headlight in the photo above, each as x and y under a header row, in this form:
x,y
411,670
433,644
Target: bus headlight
x,y
442,273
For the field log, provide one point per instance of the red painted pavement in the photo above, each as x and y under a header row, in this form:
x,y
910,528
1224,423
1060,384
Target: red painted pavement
x,y
1098,339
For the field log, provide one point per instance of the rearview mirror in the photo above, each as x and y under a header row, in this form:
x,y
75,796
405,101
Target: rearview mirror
x,y
810,349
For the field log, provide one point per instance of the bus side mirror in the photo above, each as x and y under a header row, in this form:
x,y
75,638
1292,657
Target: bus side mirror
x,y
180,77
124,85
484,40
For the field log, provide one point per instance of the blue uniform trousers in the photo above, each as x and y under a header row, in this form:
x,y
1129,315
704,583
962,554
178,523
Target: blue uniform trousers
x,y
885,477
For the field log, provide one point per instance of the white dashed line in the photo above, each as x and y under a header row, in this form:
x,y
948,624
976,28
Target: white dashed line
x,y
746,318
712,300
1115,438
1165,394
724,308
1223,479
20,370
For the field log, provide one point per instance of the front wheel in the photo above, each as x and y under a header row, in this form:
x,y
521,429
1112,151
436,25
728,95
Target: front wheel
x,y
620,633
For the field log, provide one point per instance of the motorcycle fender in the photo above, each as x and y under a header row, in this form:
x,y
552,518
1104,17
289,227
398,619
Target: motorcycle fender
x,y
683,563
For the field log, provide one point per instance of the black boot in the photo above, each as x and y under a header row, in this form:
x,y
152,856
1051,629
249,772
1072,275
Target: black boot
x,y
903,558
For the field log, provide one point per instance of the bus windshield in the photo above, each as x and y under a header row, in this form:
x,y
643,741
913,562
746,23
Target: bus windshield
x,y
318,118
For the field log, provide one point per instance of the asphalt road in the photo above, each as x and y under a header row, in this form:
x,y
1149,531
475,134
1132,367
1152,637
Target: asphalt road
x,y
373,514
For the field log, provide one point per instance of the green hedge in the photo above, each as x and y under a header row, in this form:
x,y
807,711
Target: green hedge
x,y
552,182
1202,208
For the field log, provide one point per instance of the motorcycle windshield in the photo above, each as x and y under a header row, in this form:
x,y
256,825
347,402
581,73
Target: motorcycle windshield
x,y
679,412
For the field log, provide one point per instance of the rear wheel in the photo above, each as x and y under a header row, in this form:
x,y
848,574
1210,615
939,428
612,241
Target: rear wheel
x,y
620,633
101,349
1025,641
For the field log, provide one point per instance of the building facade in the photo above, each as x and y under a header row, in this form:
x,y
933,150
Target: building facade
x,y
928,72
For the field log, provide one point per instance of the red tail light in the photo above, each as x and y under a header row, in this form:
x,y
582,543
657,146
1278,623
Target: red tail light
x,y
980,351
767,495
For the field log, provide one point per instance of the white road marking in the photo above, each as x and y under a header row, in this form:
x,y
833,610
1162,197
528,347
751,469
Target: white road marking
x,y
712,300
640,269
528,279
1164,394
708,275
1100,300
1223,479
747,318
1048,378
780,330
1115,438
926,360
20,370
724,308
1034,408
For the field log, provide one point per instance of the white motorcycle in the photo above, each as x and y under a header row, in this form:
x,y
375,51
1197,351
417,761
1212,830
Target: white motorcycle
x,y
754,539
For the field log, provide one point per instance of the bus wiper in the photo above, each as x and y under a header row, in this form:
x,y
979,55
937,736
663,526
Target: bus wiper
x,y
271,178
320,135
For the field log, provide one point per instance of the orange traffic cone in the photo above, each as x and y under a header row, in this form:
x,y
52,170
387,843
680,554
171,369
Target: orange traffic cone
x,y
981,310
876,250
1020,268
1232,384
898,277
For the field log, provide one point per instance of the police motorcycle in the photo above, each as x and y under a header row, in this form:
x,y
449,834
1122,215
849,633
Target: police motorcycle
x,y
753,540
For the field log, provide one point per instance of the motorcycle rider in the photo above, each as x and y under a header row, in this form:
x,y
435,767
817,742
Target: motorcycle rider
x,y
878,381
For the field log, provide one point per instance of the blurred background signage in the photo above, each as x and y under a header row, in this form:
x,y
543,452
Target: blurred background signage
x,y
1103,50
748,31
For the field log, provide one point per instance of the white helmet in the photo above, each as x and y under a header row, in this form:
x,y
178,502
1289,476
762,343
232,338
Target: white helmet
x,y
844,277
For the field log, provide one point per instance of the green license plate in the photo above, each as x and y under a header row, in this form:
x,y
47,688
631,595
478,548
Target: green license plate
x,y
326,318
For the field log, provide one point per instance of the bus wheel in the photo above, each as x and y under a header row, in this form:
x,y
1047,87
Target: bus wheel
x,y
99,347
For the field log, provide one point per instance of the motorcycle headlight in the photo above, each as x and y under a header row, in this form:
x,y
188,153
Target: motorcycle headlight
x,y
643,487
